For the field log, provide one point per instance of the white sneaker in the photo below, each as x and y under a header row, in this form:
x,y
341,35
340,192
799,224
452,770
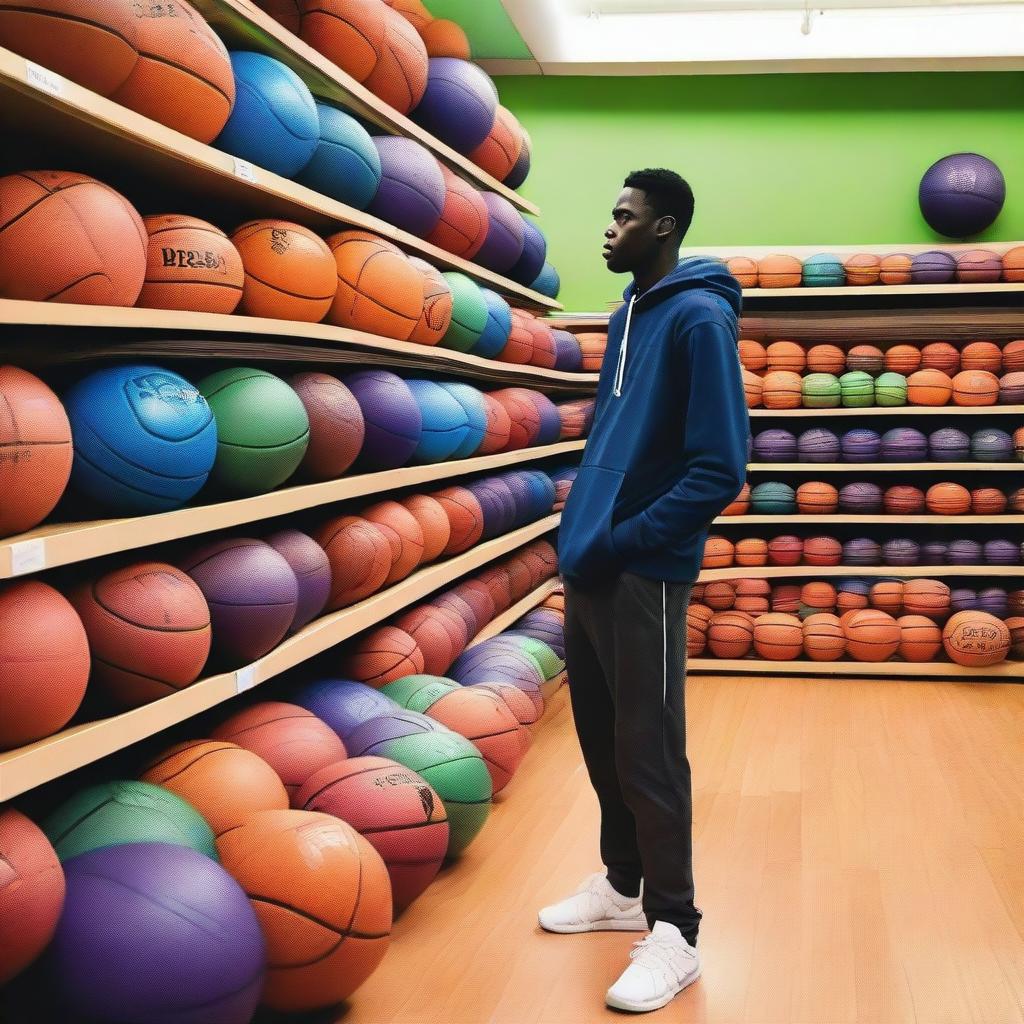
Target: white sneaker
x,y
663,964
595,907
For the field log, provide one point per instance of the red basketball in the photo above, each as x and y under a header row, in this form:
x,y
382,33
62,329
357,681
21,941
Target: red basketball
x,y
463,226
465,516
433,520
436,317
519,347
941,355
336,427
381,656
431,631
525,419
902,499
498,428
822,551
404,533
498,153
360,555
785,550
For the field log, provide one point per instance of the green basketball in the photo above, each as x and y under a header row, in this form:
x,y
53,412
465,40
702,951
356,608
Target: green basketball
x,y
469,312
773,497
120,812
262,429
821,391
419,692
456,770
891,389
858,389
550,664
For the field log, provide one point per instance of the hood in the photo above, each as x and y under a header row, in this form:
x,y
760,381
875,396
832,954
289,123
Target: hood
x,y
695,272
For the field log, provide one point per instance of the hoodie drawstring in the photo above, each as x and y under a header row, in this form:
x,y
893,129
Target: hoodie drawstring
x,y
620,369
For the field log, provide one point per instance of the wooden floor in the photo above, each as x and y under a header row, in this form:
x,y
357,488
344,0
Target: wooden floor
x,y
859,857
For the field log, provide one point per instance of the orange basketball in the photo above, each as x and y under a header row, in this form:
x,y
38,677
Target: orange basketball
x,y
926,597
895,269
978,265
444,38
463,226
778,637
66,237
929,387
779,271
823,637
719,595
718,553
744,270
498,153
786,597
948,499
818,594
751,551
542,340
753,388
976,638
903,498
753,586
436,314
698,619
753,355
191,265
868,358
223,782
982,355
975,387
847,601
592,345
404,534
826,359
519,347
523,415
903,359
940,355
862,269
35,450
292,740
336,426
183,76
1013,264
871,635
465,517
815,497
360,557
289,272
786,550
1013,355
987,501
697,593
786,355
380,656
782,389
498,428
149,631
44,662
822,551
413,11
888,596
739,505
751,604
322,895
731,634
378,290
920,638
433,520
431,632
1015,500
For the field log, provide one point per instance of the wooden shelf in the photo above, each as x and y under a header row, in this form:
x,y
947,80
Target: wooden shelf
x,y
895,669
796,519
78,332
243,26
885,467
739,572
47,759
896,410
140,147
63,543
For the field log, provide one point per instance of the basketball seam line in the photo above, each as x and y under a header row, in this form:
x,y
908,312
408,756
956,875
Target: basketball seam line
x,y
143,675
243,604
71,17
188,571
49,194
191,72
205,754
285,291
404,828
85,817
136,465
179,280
122,483
264,447
143,625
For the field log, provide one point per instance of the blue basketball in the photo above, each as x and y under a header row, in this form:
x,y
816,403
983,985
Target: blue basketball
x,y
274,122
991,445
550,422
860,445
345,164
904,444
547,282
961,194
964,552
472,402
144,438
947,444
343,704
521,168
543,487
824,271
773,497
535,250
497,329
498,513
445,423
568,354
459,103
935,552
853,585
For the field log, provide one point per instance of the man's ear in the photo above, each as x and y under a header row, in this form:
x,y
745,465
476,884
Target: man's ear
x,y
665,227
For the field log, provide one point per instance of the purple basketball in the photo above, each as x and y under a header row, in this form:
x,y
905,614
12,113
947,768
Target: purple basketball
x,y
391,416
861,551
901,551
963,599
817,445
411,192
497,506
854,585
904,444
459,103
961,194
156,932
993,601
774,445
312,570
521,168
963,552
1001,552
935,552
860,497
991,445
488,666
461,607
860,445
505,235
343,704
522,496
550,422
252,593
949,445
932,267
568,355
364,739
535,250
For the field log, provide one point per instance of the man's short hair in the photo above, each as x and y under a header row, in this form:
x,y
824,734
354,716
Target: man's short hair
x,y
668,194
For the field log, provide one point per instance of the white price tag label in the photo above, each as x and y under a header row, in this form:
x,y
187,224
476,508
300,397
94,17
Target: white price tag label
x,y
245,678
245,170
44,79
28,556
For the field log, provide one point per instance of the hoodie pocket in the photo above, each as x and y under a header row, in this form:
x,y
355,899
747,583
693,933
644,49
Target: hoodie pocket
x,y
585,547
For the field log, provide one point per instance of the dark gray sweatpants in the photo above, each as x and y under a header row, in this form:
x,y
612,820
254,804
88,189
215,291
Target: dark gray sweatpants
x,y
625,653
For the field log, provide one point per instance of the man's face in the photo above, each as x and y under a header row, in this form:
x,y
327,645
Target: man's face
x,y
631,239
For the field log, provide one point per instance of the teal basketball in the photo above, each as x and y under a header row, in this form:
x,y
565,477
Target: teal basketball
x,y
858,389
824,270
821,391
469,312
891,389
419,692
773,497
119,812
262,429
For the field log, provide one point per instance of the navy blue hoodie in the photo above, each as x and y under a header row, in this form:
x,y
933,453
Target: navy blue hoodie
x,y
668,447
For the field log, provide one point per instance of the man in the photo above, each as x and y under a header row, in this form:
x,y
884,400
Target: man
x,y
666,453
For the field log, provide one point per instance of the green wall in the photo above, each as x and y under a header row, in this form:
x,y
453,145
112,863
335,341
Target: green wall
x,y
773,160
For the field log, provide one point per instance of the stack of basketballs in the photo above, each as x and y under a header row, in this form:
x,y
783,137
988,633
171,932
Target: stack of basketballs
x,y
857,619
785,375
306,822
166,62
152,626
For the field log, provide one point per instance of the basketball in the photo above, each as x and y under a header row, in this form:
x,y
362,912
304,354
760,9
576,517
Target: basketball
x,y
773,497
719,595
498,430
252,593
523,415
941,355
336,427
444,38
975,387
826,359
436,317
823,270
857,389
920,638
988,501
718,553
730,634
862,551
868,358
822,551
933,267
785,550
378,290
786,355
823,637
778,637
498,152
862,269
948,499
411,192
753,355
871,635
744,270
391,416
542,341
380,656
463,224
982,355
753,387
262,429
860,498
312,570
535,247
903,359
976,639
519,173
345,164
465,518
890,389
360,555
495,335
821,391
1013,264
289,272
961,194
887,595
469,313
593,345
472,402
505,238
818,595
149,634
781,389
66,237
432,630
459,104
815,497
779,271
1011,388
929,387
404,534
895,269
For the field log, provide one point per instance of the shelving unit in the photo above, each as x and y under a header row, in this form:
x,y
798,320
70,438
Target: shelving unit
x,y
898,410
885,467
1007,519
1007,670
779,572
